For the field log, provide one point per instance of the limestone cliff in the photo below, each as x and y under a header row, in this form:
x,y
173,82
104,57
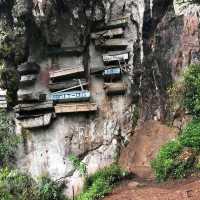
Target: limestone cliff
x,y
43,38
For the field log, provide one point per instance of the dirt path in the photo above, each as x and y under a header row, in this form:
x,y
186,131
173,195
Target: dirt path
x,y
182,190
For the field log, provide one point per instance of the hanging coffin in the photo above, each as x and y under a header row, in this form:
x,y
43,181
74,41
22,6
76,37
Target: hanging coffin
x,y
72,84
28,68
108,33
36,121
70,96
31,97
114,23
75,108
115,88
112,43
61,51
3,104
27,80
112,72
3,101
114,57
33,107
67,72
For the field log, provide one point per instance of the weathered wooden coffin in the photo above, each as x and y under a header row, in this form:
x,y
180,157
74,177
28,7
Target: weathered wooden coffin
x,y
32,97
27,80
116,56
114,23
75,108
73,84
97,70
67,72
32,107
59,51
2,98
118,43
28,68
36,121
3,92
3,104
70,96
115,88
112,72
108,33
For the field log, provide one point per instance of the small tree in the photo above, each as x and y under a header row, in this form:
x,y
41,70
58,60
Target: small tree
x,y
8,139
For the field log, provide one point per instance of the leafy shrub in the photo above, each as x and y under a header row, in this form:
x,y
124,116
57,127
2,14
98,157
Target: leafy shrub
x,y
101,183
78,165
50,190
192,89
164,163
190,136
8,139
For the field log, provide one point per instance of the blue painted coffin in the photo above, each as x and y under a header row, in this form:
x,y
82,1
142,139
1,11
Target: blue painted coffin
x,y
112,72
70,96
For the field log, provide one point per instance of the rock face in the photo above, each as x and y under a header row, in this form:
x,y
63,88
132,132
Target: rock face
x,y
161,39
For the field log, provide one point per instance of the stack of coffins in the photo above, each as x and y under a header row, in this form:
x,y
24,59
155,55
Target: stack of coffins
x,y
3,101
28,72
33,110
111,37
69,91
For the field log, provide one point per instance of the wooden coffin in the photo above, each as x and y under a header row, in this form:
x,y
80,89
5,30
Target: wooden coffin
x,y
118,43
66,72
97,70
61,51
116,56
75,108
3,92
108,33
27,80
36,121
32,107
3,104
28,68
73,84
112,72
31,97
115,88
114,23
2,98
70,96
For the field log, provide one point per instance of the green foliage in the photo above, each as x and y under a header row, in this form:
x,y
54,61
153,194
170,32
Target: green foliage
x,y
101,183
8,139
164,163
16,186
190,136
50,190
192,89
78,165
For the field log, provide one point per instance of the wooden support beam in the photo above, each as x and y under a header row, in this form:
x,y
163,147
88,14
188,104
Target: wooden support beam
x,y
31,107
108,33
115,57
75,108
70,96
67,72
28,68
118,43
67,84
36,121
114,23
115,88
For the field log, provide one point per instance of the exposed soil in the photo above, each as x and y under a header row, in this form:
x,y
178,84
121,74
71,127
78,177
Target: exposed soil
x,y
177,190
136,158
143,147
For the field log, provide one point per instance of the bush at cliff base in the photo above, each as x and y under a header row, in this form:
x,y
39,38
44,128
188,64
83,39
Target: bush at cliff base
x,y
101,183
178,158
15,185
192,89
